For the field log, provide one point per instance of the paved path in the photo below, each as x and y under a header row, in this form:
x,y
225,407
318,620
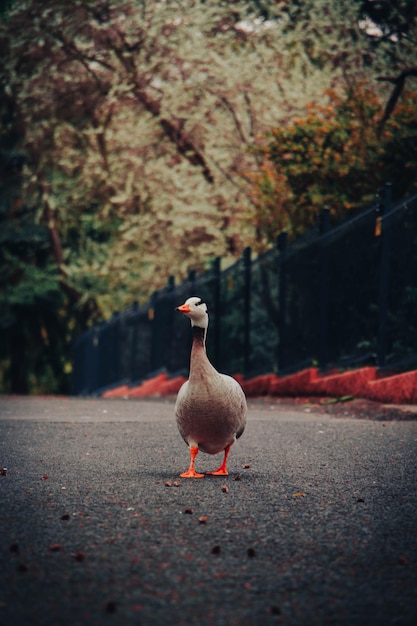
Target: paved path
x,y
321,528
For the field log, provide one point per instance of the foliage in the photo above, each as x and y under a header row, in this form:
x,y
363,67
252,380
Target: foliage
x,y
33,328
131,126
391,27
332,157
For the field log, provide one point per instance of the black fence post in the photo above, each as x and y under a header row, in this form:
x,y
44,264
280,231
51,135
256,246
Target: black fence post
x,y
281,244
170,321
217,311
133,346
324,225
101,359
382,339
114,359
247,269
191,280
154,332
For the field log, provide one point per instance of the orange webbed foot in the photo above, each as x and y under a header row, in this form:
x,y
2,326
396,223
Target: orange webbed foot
x,y
219,472
191,473
222,471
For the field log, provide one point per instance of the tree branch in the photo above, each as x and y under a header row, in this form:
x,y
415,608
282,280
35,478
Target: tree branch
x,y
172,128
174,131
89,309
399,83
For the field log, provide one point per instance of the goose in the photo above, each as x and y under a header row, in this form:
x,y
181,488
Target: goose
x,y
210,409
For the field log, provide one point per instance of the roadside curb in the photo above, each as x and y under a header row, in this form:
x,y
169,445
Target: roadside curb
x,y
396,392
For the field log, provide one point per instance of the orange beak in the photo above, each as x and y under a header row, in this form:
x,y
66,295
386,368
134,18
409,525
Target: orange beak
x,y
184,308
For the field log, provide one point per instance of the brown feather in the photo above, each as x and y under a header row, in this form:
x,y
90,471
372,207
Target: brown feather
x,y
211,407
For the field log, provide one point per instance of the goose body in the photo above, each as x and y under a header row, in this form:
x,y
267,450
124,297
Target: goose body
x,y
211,407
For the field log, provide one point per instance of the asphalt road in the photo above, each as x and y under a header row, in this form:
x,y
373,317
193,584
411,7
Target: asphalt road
x,y
316,523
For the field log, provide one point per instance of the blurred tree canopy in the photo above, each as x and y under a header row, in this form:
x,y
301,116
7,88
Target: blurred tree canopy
x,y
136,137
333,157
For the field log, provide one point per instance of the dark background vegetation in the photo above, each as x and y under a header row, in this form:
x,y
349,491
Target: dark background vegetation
x,y
143,139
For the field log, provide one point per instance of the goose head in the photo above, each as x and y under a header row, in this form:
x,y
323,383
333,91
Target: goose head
x,y
196,310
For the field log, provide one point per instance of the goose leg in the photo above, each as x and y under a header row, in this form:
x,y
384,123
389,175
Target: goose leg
x,y
222,471
191,473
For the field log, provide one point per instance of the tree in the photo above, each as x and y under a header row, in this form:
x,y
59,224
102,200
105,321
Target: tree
x,y
135,123
333,157
391,28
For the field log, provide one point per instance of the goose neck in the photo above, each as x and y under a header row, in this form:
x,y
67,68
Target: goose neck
x,y
200,366
199,337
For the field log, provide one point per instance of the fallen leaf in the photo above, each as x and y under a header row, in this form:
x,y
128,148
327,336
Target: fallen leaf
x,y
3,471
168,483
299,494
55,547
45,477
188,511
225,489
246,466
79,556
237,477
203,519
65,517
216,550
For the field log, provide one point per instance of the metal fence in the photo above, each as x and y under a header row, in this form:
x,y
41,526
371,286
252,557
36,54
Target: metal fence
x,y
337,297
